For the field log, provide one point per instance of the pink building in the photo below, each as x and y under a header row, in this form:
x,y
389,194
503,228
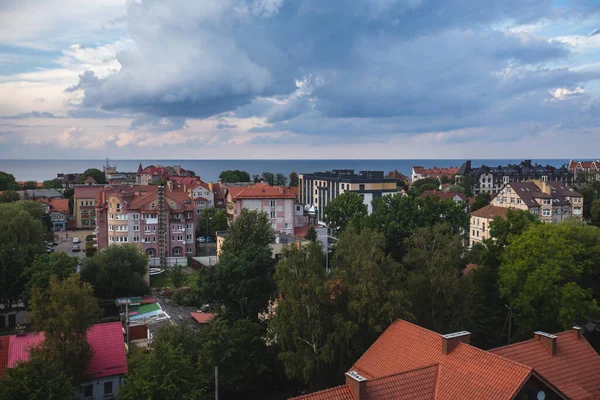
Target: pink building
x,y
130,215
278,202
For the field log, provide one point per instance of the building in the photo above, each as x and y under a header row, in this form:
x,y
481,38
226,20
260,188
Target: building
x,y
410,362
106,369
552,202
84,206
130,215
401,179
279,243
68,180
319,188
58,209
419,172
276,201
588,167
36,194
480,222
457,197
153,174
493,179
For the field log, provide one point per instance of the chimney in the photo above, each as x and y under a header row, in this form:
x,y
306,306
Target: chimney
x,y
210,186
280,189
450,340
547,340
357,385
576,330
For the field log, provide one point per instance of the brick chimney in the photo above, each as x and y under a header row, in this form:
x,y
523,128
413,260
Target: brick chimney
x,y
357,385
450,340
576,330
547,340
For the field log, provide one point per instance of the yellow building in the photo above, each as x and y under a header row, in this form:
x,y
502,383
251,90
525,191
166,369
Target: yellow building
x,y
480,223
84,206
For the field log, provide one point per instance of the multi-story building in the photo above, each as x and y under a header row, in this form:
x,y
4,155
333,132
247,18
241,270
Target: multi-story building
x,y
552,202
152,174
493,179
592,168
84,206
419,172
480,223
276,201
58,209
130,215
319,188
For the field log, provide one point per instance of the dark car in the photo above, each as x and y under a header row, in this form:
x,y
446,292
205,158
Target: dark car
x,y
49,249
75,249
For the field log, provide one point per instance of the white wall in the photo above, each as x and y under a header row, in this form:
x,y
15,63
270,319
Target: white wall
x,y
99,388
252,204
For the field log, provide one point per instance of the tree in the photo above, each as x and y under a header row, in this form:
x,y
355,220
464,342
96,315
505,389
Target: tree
x,y
595,213
29,185
516,222
345,208
214,219
294,180
268,178
64,313
95,173
311,235
178,276
444,179
57,264
8,182
256,178
21,239
37,379
421,185
481,200
468,183
434,261
53,184
9,196
117,271
234,176
242,280
166,373
590,193
307,325
280,179
550,277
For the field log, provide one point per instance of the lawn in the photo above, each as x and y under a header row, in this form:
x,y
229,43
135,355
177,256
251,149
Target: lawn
x,y
164,280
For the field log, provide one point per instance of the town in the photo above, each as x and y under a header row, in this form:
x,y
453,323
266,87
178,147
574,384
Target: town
x,y
464,282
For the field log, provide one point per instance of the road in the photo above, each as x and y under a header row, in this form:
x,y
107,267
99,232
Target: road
x,y
66,244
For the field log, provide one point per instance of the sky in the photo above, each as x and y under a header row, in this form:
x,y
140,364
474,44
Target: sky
x,y
293,79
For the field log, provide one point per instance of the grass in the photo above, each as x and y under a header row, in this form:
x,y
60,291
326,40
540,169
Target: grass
x,y
164,280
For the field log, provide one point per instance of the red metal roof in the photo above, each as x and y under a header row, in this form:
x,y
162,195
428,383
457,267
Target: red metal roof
x,y
336,393
201,317
574,369
20,345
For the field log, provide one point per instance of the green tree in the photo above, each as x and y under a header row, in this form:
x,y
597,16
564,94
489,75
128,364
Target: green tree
x,y
468,183
344,209
57,264
233,176
29,185
444,179
294,180
9,196
307,325
37,379
590,193
268,178
280,179
21,239
117,271
53,184
256,178
214,219
64,313
550,277
595,213
481,200
311,235
8,182
434,261
242,280
166,373
178,276
516,222
421,185
94,173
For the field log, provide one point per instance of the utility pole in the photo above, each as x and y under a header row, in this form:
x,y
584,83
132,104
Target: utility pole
x,y
216,383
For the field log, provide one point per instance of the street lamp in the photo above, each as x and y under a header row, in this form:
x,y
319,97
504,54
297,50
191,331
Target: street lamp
x,y
206,239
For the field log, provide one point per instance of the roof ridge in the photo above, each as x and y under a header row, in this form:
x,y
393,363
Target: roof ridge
x,y
497,356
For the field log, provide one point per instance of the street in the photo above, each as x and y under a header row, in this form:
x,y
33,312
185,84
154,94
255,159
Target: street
x,y
66,244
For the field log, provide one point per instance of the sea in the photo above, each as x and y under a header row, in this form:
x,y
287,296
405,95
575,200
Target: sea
x,y
209,170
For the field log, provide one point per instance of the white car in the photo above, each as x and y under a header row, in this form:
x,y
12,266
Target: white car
x,y
76,240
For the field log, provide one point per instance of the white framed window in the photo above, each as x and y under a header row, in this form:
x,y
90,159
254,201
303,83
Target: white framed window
x,y
147,229
136,238
546,212
172,205
188,250
188,237
180,238
111,239
111,228
272,215
512,200
153,239
577,211
153,205
136,228
288,225
188,215
109,206
190,226
135,216
272,203
177,251
546,202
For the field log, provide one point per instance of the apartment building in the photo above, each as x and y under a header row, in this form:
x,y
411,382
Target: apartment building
x,y
479,229
491,180
84,206
419,172
319,188
152,174
278,202
587,167
552,201
130,215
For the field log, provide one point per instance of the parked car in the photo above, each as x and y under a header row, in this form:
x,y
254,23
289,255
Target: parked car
x,y
76,240
75,249
204,239
49,249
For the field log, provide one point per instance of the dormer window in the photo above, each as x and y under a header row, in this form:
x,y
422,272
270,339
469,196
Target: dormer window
x,y
153,205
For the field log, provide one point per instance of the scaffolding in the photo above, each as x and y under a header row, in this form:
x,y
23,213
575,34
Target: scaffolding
x,y
162,228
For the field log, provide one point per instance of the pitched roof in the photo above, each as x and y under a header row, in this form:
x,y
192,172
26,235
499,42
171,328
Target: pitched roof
x,y
574,369
202,317
260,191
336,393
418,384
443,195
491,212
86,192
4,350
396,175
528,192
106,341
90,179
60,205
436,171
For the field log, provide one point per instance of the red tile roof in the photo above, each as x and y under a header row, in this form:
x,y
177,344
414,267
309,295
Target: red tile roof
x,y
60,205
87,192
396,175
106,341
574,369
4,350
435,171
491,212
469,268
202,317
418,384
336,393
261,191
443,195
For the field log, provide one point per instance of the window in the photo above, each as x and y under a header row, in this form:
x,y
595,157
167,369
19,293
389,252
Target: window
x,y
151,252
135,216
136,228
188,237
118,206
288,225
88,391
153,239
512,200
110,207
473,232
136,238
153,205
111,228
177,251
108,389
546,212
546,202
508,189
180,237
189,226
272,203
147,229
483,226
272,215
518,201
361,187
577,211
111,239
188,215
188,250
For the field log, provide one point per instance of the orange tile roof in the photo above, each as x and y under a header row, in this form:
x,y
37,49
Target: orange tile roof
x,y
491,212
202,317
469,268
261,191
574,369
61,205
418,384
336,393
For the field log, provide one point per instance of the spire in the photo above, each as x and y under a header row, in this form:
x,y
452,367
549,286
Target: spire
x,y
140,169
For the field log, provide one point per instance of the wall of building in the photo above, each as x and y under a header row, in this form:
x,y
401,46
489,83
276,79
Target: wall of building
x,y
98,385
479,230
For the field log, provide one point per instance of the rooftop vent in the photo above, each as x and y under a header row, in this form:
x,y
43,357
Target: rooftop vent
x,y
450,340
576,330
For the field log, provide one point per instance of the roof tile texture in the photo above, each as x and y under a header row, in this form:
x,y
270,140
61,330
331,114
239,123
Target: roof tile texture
x,y
491,212
336,393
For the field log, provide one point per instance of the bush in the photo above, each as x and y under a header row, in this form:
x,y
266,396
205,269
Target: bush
x,y
178,297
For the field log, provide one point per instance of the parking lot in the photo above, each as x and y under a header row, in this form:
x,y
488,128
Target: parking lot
x,y
65,244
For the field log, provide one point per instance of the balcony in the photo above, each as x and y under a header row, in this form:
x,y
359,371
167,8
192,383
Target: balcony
x,y
151,221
